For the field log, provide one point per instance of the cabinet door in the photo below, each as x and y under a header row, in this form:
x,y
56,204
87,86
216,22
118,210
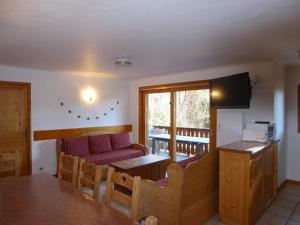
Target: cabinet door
x,y
257,188
233,183
269,175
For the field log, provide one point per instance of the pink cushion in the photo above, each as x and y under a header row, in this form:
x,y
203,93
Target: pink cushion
x,y
113,156
185,162
120,141
163,182
78,146
99,144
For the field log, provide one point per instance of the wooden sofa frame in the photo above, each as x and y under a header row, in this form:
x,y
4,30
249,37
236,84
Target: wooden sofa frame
x,y
190,197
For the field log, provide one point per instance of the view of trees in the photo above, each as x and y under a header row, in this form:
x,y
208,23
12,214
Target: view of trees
x,y
192,108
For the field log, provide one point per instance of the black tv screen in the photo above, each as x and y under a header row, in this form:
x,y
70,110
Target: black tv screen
x,y
231,92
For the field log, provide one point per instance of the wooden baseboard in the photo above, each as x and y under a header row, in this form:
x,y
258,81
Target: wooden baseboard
x,y
289,181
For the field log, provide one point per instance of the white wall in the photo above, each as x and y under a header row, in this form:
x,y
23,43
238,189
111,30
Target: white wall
x,y
292,136
279,117
48,87
262,103
267,102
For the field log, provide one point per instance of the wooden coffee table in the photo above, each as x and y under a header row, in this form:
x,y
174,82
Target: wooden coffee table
x,y
150,167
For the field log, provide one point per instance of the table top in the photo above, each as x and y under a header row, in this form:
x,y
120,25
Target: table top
x,y
199,140
44,200
139,161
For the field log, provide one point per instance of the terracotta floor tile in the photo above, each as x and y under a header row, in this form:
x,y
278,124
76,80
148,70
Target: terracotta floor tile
x,y
296,216
213,221
273,219
279,211
292,222
288,196
284,203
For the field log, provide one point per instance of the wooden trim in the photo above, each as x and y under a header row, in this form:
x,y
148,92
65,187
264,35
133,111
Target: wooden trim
x,y
295,182
299,108
29,132
213,130
14,84
142,116
172,142
65,133
172,88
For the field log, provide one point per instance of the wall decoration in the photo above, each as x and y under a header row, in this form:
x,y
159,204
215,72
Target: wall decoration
x,y
62,104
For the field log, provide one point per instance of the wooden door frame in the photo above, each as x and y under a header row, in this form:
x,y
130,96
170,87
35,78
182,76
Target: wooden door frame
x,y
172,88
29,136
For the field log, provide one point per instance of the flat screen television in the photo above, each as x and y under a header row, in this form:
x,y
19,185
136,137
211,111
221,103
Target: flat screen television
x,y
231,92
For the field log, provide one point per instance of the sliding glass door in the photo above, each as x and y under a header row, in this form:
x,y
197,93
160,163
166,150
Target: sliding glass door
x,y
158,123
177,121
192,123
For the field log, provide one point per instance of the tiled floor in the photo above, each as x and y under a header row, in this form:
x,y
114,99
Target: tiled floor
x,y
285,210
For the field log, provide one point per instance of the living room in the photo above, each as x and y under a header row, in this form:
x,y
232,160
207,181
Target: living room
x,y
75,80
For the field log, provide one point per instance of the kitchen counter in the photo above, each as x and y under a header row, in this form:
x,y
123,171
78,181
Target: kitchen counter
x,y
250,147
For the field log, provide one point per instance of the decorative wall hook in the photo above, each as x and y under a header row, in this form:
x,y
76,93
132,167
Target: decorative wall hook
x,y
255,80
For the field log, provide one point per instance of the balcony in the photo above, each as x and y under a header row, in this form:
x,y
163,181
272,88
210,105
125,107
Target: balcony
x,y
184,147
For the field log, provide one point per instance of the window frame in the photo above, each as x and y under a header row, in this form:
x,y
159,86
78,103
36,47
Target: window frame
x,y
298,108
172,88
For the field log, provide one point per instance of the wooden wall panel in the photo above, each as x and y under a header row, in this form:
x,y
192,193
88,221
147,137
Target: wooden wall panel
x,y
65,133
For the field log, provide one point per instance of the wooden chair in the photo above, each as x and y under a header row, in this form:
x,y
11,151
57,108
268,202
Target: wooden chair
x,y
89,176
68,168
8,164
151,220
125,183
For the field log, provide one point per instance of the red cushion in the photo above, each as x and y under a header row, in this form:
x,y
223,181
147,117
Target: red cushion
x,y
78,146
113,156
99,144
163,182
120,141
185,162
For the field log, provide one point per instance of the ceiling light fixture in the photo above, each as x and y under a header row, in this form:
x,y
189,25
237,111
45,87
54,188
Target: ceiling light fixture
x,y
123,62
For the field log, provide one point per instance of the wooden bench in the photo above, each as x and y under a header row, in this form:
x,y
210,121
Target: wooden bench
x,y
190,197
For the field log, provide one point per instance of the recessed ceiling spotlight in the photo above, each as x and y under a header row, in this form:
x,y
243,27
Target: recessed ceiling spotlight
x,y
123,62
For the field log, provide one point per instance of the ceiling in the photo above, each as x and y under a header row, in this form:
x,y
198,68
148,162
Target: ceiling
x,y
160,37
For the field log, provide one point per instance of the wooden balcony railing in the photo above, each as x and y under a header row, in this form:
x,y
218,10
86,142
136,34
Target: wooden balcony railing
x,y
189,148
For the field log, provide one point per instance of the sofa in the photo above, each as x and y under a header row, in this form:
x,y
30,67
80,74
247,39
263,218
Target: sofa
x,y
189,195
101,149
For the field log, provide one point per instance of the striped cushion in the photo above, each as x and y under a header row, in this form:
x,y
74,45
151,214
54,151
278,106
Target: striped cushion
x,y
78,146
120,141
113,156
99,144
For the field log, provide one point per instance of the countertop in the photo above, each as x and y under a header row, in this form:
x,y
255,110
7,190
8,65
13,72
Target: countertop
x,y
250,147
